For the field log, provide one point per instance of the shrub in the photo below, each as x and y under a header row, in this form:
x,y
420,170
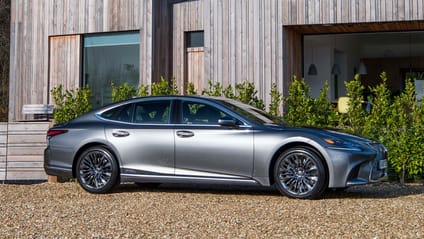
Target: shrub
x,y
355,117
298,103
323,112
276,99
246,93
405,140
191,90
123,92
70,103
165,87
214,89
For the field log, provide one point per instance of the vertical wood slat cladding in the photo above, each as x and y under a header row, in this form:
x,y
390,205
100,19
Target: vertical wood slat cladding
x,y
187,16
65,62
242,41
33,22
195,68
351,11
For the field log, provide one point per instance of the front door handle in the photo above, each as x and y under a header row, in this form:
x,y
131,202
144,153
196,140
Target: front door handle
x,y
185,134
120,133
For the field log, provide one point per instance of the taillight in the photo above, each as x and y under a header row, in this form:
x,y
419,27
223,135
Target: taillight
x,y
54,132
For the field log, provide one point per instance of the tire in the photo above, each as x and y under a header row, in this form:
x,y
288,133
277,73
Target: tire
x,y
97,170
300,173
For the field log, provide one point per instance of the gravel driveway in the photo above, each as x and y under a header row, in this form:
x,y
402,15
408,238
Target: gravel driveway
x,y
175,211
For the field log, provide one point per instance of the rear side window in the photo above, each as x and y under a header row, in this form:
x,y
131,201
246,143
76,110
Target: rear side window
x,y
122,113
152,112
149,112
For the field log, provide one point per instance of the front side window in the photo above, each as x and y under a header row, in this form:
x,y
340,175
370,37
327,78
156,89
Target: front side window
x,y
110,58
199,113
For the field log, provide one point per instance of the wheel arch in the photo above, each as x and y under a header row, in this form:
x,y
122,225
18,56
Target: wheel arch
x,y
90,145
290,145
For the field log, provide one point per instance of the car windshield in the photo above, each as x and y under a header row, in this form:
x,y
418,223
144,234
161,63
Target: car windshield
x,y
251,113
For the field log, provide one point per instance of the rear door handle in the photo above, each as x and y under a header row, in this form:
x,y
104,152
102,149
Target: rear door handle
x,y
185,134
120,133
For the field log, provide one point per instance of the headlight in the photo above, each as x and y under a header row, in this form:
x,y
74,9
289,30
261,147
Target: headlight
x,y
342,144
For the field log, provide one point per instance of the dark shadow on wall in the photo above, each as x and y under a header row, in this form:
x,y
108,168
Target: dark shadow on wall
x,y
4,58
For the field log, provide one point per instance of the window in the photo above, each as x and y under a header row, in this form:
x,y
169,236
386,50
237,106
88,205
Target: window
x,y
195,39
154,112
122,113
198,113
111,57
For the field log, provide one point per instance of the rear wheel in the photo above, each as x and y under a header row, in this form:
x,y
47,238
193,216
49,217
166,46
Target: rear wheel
x,y
97,170
300,173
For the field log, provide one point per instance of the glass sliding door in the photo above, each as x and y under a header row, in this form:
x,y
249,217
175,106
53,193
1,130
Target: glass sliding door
x,y
110,58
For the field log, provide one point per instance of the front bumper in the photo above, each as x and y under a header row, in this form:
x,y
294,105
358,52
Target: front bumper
x,y
358,167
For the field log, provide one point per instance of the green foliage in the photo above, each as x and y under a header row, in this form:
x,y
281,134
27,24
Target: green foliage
x,y
323,112
191,90
375,126
143,90
214,89
229,92
276,99
299,103
70,103
355,117
163,87
246,93
404,136
123,92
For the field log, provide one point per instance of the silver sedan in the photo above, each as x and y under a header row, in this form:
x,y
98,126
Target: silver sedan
x,y
188,139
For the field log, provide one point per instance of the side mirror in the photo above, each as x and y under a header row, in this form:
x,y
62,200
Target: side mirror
x,y
227,122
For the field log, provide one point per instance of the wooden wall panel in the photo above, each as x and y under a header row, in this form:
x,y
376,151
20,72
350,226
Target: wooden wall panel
x,y
244,41
298,12
65,62
195,68
33,22
22,151
187,16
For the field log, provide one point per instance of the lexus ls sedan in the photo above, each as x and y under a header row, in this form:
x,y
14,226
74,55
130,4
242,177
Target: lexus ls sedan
x,y
193,139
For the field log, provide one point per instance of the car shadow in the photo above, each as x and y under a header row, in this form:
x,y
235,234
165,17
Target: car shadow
x,y
371,191
377,191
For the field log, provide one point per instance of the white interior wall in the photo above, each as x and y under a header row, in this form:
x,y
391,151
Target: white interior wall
x,y
351,48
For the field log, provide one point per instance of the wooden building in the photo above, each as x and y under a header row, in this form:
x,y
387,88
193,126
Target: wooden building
x,y
95,42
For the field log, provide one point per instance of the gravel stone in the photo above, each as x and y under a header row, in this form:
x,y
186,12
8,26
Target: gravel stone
x,y
64,210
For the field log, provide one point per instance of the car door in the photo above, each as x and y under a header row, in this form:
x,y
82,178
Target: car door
x,y
143,137
203,148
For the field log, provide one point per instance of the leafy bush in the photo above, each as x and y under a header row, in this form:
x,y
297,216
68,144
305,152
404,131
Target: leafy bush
x,y
405,140
355,117
70,103
323,112
214,89
276,99
123,92
191,89
165,87
246,93
299,103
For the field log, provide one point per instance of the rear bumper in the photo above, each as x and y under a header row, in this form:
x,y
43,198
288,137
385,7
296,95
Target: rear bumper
x,y
55,170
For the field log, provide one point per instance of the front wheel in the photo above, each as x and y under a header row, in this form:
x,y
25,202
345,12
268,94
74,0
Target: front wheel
x,y
300,173
97,170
